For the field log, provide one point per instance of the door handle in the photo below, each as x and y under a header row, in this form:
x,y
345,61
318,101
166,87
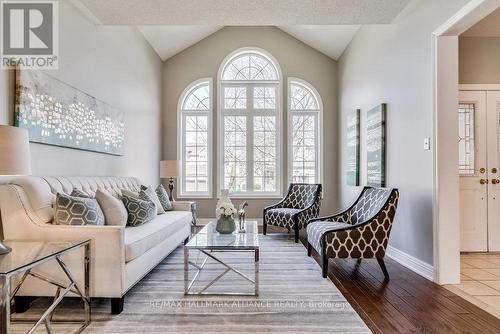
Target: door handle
x,y
495,181
483,181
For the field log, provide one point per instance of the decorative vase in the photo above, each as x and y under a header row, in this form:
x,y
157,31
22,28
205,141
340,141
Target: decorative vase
x,y
224,198
225,225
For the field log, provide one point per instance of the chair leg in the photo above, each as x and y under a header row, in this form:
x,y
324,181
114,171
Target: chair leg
x,y
264,227
324,265
358,261
382,266
309,249
296,235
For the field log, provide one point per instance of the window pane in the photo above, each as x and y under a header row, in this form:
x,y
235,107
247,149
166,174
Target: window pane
x,y
264,97
302,98
304,148
195,163
466,144
250,66
235,98
198,98
265,173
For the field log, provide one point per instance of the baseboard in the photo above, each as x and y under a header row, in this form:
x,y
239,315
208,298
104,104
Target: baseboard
x,y
420,267
205,221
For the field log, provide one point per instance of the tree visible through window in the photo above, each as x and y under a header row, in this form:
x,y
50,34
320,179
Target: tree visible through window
x,y
304,132
250,124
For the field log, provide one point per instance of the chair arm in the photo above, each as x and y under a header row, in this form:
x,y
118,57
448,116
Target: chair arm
x,y
275,205
341,217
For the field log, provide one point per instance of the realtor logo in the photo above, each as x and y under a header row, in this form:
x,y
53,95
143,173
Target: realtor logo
x,y
29,34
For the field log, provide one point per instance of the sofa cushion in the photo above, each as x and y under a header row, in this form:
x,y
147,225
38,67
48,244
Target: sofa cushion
x,y
140,239
113,209
140,210
70,210
152,194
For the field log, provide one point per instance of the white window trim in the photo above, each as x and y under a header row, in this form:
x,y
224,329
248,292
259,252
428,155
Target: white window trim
x,y
180,138
279,134
319,137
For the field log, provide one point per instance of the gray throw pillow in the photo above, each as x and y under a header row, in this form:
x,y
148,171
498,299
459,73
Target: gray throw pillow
x,y
113,209
130,193
79,193
163,197
70,210
140,210
152,194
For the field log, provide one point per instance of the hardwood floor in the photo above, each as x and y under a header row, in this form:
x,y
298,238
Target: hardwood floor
x,y
405,303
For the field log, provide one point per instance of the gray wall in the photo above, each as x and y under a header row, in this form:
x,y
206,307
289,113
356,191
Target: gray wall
x,y
295,59
393,64
479,60
116,65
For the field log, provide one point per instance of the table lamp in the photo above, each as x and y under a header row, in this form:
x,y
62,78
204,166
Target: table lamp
x,y
169,169
14,157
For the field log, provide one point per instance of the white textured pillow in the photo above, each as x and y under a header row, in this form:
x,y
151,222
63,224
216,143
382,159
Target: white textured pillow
x,y
152,194
113,209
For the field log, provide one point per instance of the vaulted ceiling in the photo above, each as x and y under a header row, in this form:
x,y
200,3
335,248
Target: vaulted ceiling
x,y
171,26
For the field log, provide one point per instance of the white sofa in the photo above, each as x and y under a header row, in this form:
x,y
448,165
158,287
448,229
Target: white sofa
x,y
120,256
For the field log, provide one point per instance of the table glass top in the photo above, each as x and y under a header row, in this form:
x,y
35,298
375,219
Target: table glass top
x,y
26,253
209,238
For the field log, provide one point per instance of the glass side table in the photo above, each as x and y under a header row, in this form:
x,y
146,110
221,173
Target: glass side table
x,y
24,258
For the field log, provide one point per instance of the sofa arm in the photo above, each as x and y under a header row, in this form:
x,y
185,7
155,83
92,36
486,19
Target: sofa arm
x,y
186,206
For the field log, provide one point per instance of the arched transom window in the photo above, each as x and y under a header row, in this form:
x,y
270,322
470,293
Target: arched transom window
x,y
250,121
304,133
195,109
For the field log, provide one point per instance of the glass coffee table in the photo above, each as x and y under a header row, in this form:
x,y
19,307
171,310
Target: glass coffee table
x,y
209,242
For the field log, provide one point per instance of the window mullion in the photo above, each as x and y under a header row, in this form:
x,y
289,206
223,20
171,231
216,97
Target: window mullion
x,y
250,139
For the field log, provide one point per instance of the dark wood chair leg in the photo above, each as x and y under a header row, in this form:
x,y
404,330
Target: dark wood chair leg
x,y
382,266
296,235
264,227
324,265
358,261
21,303
309,249
117,305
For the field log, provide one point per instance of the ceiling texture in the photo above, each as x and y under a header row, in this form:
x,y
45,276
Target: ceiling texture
x,y
171,26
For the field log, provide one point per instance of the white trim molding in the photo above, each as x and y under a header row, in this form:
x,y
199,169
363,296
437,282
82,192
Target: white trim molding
x,y
479,86
420,267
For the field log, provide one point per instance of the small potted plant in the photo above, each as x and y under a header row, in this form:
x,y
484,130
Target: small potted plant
x,y
225,223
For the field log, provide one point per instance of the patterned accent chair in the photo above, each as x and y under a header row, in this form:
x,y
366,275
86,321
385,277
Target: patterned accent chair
x,y
301,204
360,232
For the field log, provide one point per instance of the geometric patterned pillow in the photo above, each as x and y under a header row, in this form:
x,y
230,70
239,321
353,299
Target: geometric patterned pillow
x,y
70,210
140,210
163,197
79,193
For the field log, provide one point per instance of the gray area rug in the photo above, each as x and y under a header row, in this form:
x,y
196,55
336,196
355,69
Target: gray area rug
x,y
294,298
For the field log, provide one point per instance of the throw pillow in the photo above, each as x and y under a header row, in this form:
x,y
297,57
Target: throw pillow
x,y
79,193
113,209
163,197
130,193
70,210
152,194
140,210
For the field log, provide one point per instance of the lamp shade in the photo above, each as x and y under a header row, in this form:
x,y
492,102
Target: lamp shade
x,y
169,168
14,151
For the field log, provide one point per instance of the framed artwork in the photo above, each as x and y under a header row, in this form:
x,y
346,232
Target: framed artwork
x,y
55,113
375,146
353,151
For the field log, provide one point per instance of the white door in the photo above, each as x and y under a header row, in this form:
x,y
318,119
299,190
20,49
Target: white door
x,y
473,171
493,162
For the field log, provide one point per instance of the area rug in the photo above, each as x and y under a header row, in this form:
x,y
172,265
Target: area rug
x,y
293,298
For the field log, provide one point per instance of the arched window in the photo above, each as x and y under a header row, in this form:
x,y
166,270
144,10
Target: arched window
x,y
250,124
304,132
195,137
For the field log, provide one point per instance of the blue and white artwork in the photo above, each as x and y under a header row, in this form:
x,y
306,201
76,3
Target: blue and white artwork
x,y
55,113
375,146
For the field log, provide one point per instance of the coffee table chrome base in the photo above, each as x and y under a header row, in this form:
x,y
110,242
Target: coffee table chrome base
x,y
188,284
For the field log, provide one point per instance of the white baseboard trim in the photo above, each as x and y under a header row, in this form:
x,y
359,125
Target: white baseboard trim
x,y
420,267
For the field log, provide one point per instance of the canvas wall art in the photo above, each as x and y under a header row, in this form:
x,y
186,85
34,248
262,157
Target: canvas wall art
x,y
55,113
375,146
352,149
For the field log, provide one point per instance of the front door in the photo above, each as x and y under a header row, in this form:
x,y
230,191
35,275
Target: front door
x,y
473,171
493,162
